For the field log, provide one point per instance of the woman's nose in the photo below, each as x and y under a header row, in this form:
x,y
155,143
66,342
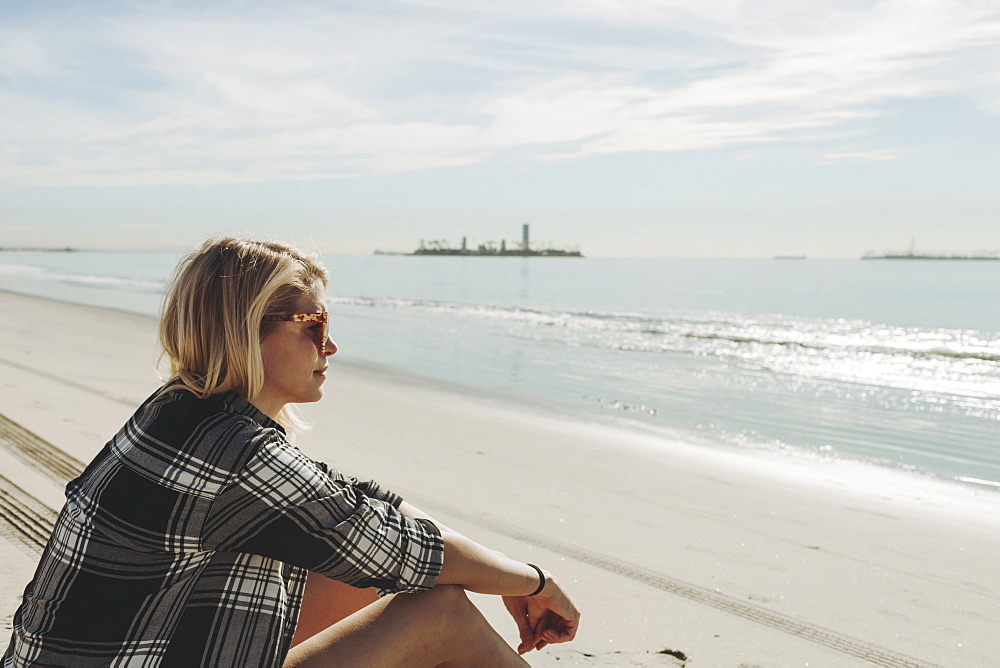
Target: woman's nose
x,y
330,348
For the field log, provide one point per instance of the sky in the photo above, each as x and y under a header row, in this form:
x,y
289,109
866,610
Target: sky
x,y
677,128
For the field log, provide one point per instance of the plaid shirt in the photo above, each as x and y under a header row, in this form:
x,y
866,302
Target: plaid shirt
x,y
187,540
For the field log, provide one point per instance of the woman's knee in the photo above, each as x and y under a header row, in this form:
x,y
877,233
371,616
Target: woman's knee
x,y
447,608
448,599
449,593
440,626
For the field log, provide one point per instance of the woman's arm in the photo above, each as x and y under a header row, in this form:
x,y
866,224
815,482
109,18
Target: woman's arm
x,y
475,567
548,617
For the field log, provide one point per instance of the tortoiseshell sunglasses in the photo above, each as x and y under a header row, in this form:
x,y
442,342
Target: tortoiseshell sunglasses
x,y
320,334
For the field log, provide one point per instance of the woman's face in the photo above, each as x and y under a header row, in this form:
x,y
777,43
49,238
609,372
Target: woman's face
x,y
294,366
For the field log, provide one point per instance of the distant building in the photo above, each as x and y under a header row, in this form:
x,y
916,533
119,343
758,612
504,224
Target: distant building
x,y
490,249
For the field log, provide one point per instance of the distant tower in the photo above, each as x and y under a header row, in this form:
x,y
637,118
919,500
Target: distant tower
x,y
524,237
463,244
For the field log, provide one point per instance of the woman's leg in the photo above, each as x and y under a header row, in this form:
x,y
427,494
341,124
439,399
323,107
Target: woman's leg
x,y
439,627
325,602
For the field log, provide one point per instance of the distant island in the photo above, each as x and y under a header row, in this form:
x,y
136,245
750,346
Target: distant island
x,y
37,250
910,255
490,249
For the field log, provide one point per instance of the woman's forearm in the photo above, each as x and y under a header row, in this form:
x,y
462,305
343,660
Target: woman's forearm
x,y
482,570
410,510
475,567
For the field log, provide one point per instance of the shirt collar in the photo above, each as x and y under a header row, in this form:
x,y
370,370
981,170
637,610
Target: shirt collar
x,y
235,404
240,406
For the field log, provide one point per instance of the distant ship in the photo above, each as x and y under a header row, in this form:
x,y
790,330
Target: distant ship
x,y
490,249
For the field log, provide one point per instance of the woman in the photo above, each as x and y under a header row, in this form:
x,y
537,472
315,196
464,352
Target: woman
x,y
200,536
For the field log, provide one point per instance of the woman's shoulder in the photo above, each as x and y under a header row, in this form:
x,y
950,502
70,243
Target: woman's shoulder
x,y
197,443
181,410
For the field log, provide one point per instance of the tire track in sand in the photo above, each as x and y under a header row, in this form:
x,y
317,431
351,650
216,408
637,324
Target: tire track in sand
x,y
24,520
31,521
814,633
38,453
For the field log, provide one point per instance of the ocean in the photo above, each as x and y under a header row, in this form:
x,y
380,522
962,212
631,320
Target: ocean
x,y
892,364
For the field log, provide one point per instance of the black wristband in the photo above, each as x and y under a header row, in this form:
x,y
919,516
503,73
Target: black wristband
x,y
541,580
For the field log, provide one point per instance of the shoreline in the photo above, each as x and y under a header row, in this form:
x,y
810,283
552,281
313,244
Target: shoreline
x,y
724,391
697,551
810,468
852,479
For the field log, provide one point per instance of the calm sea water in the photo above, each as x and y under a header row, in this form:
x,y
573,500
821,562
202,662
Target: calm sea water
x,y
892,363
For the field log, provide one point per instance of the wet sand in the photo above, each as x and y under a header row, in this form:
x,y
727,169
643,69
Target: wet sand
x,y
676,554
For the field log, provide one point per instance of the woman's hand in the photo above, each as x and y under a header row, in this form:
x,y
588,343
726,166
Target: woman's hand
x,y
548,617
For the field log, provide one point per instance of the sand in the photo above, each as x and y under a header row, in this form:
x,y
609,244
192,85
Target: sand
x,y
676,554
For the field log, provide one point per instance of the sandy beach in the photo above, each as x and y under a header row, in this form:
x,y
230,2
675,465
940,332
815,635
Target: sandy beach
x,y
677,555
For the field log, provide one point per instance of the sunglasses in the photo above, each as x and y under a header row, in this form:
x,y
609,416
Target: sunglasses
x,y
320,334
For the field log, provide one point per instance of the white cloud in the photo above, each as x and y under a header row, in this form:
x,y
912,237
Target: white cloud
x,y
877,155
224,96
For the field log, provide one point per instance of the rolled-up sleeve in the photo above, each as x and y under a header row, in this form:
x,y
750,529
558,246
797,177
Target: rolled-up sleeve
x,y
287,507
368,487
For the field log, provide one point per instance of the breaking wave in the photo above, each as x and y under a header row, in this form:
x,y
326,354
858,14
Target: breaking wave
x,y
963,362
82,279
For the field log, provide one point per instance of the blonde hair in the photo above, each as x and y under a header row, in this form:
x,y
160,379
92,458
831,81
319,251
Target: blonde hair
x,y
213,308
